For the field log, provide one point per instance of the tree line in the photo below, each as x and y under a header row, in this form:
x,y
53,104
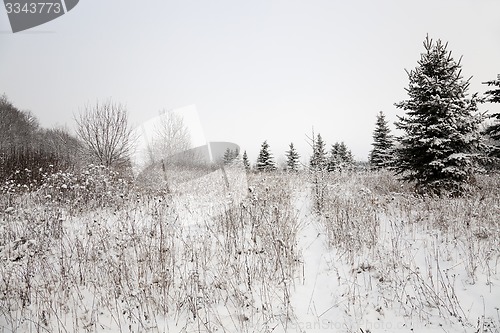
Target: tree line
x,y
444,142
27,151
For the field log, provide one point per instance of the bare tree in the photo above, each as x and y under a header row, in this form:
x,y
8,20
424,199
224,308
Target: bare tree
x,y
105,132
168,148
17,128
170,138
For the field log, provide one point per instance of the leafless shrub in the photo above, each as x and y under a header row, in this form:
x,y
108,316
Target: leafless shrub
x,y
105,132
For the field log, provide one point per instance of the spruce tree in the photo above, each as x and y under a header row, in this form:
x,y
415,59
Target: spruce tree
x,y
246,163
340,158
265,161
493,96
440,147
229,156
381,155
318,160
292,162
493,130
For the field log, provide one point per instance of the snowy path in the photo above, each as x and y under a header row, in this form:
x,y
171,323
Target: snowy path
x,y
315,298
330,296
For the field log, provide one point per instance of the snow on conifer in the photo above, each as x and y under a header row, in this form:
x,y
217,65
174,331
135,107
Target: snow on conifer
x,y
265,160
340,158
292,159
441,144
246,163
493,130
318,160
382,152
229,156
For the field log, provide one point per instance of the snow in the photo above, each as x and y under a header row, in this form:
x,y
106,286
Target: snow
x,y
212,259
435,279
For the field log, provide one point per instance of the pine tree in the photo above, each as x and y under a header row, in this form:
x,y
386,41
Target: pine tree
x,y
265,161
318,160
493,130
246,163
292,162
340,158
493,96
229,156
440,147
381,155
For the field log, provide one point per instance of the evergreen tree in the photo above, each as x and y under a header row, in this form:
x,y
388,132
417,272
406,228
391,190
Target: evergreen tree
x,y
347,156
229,156
440,147
340,158
265,161
318,160
334,159
246,163
292,162
493,130
493,96
381,155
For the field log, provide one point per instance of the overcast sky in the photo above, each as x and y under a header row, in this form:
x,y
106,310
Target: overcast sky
x,y
255,69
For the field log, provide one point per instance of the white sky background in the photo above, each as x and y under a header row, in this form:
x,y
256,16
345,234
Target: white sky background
x,y
255,70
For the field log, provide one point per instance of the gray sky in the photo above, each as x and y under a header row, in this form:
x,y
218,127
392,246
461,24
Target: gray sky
x,y
256,70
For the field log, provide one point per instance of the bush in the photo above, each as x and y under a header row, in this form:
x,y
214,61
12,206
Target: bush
x,y
96,186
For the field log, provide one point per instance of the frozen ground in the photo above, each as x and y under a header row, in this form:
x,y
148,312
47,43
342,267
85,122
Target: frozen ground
x,y
373,260
436,293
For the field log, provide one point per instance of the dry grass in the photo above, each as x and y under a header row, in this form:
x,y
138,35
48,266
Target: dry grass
x,y
132,260
136,267
421,256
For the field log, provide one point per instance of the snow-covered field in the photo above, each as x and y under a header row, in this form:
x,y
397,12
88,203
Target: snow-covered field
x,y
347,253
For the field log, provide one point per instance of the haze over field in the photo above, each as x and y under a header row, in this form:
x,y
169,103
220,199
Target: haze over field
x,y
173,224
256,70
